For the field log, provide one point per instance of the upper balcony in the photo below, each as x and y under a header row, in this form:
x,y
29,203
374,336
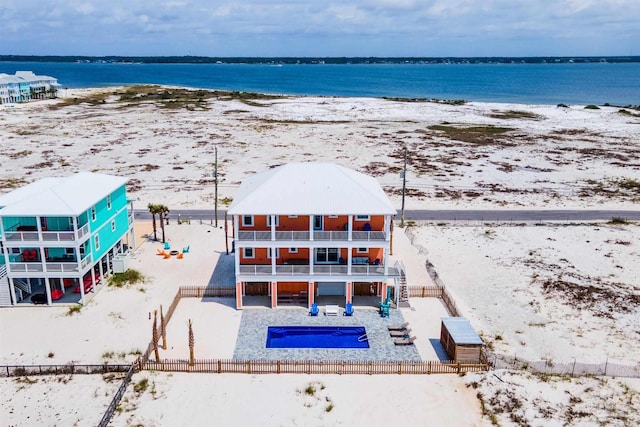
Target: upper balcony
x,y
293,236
30,233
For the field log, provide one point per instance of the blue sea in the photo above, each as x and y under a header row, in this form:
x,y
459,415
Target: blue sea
x,y
568,83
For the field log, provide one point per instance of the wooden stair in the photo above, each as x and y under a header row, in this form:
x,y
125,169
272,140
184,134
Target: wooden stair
x,y
403,298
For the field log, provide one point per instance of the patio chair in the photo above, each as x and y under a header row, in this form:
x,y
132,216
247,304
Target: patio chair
x,y
348,310
185,250
367,227
400,334
180,256
56,294
39,298
404,341
314,310
398,327
167,255
167,246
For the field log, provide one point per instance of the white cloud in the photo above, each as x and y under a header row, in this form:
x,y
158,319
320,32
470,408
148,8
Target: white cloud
x,y
312,27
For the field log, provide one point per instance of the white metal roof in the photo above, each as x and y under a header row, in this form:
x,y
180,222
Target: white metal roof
x,y
311,189
68,196
461,330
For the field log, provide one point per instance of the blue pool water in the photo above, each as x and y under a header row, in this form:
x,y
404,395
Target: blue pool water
x,y
317,337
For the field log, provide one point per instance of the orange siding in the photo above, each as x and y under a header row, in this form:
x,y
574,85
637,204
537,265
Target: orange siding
x,y
372,254
303,254
336,224
300,223
260,257
376,222
292,287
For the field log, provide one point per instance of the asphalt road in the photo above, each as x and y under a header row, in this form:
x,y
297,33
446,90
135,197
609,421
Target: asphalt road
x,y
448,215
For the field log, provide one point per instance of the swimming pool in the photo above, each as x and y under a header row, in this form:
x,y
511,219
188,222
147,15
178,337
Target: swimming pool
x,y
317,337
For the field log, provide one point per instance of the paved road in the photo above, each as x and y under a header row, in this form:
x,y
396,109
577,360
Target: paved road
x,y
450,215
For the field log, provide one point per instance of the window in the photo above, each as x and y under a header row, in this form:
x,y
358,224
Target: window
x,y
269,252
248,252
97,241
327,255
247,220
269,220
293,216
293,250
362,251
362,218
113,226
333,216
69,251
109,201
93,213
317,222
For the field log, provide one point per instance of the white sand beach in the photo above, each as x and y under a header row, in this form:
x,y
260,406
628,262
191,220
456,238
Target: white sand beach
x,y
520,285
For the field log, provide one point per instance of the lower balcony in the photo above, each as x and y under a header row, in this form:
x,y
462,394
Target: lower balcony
x,y
318,269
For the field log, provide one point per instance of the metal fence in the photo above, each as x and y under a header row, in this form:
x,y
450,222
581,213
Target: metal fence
x,y
573,368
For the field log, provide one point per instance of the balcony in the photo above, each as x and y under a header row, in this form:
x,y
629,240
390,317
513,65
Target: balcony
x,y
329,236
318,270
21,236
58,236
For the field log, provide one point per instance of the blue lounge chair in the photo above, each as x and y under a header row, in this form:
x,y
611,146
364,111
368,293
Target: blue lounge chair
x,y
167,246
314,310
348,310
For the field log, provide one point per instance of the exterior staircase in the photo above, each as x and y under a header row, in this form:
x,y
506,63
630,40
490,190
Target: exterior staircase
x,y
403,298
5,298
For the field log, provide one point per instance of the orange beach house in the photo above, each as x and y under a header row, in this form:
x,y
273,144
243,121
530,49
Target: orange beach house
x,y
307,230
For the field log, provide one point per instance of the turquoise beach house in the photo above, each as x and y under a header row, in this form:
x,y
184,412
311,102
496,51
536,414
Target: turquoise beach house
x,y
60,236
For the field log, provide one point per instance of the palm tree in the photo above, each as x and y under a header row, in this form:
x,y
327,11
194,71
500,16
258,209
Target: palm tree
x,y
153,209
162,211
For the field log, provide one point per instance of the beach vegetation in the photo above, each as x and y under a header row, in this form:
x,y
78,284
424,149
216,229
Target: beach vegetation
x,y
51,355
434,100
479,135
10,183
591,107
74,309
226,201
141,386
516,114
562,106
618,220
628,113
129,277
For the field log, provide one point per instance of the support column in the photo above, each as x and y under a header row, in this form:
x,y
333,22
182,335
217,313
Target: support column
x,y
274,294
273,227
350,228
311,228
385,260
349,293
383,294
311,292
239,295
101,271
349,258
311,261
47,288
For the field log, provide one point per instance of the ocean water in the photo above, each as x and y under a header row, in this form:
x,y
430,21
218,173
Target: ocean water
x,y
568,83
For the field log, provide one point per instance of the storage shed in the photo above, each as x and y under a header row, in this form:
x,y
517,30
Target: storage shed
x,y
460,340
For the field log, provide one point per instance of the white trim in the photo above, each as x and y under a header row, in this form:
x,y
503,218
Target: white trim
x,y
326,261
269,220
362,250
363,218
96,241
293,250
293,216
269,252
94,214
108,202
113,225
250,224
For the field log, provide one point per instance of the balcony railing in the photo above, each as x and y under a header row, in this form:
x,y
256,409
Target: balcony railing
x,y
62,266
26,267
289,236
318,269
85,261
58,236
83,230
22,236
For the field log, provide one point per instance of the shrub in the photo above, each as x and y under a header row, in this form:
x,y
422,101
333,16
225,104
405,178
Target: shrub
x,y
74,309
129,277
592,107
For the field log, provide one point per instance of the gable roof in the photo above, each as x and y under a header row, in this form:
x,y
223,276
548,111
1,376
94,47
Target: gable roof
x,y
68,196
311,189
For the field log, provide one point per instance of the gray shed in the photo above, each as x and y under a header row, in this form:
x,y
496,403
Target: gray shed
x,y
460,340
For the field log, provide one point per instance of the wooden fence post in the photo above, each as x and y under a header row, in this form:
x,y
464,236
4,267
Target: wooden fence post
x,y
219,366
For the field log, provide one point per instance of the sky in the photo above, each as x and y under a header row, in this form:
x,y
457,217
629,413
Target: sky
x,y
320,27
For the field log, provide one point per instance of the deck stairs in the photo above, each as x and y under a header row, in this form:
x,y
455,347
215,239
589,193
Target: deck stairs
x,y
403,296
5,297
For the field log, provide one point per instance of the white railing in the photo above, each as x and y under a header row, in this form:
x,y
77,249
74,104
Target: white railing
x,y
85,261
58,236
289,236
83,230
26,267
22,236
3,271
318,269
62,266
255,269
329,269
292,269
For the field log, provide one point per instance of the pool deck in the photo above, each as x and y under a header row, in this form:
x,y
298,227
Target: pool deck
x,y
252,336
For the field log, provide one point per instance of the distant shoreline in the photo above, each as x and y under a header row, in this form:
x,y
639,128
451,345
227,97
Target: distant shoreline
x,y
322,60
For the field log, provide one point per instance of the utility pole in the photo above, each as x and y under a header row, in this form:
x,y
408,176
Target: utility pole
x,y
404,186
215,183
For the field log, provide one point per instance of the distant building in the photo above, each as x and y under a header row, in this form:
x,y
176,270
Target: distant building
x,y
306,232
25,86
59,237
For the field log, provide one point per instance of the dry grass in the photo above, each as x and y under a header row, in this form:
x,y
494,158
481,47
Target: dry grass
x,y
479,135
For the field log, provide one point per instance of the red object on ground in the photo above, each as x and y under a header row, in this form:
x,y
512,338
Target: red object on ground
x,y
56,294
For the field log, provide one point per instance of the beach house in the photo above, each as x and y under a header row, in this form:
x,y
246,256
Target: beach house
x,y
60,236
308,231
25,86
